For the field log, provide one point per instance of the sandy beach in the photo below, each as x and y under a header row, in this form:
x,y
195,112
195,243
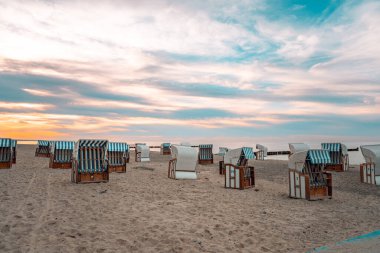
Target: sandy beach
x,y
144,211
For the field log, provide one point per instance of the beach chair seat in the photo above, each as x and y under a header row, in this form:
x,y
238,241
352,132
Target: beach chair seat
x,y
14,151
183,163
370,170
237,173
165,149
205,155
262,152
339,157
61,155
142,152
43,148
90,164
307,177
118,153
5,153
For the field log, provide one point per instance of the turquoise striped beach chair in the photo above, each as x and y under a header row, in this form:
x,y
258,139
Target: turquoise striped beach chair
x,y
90,164
205,155
307,176
339,157
165,149
14,151
5,153
43,148
118,152
237,173
61,155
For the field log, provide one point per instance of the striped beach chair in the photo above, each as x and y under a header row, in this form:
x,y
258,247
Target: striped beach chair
x,y
262,152
237,173
165,149
90,164
5,153
339,157
183,163
118,152
205,155
61,156
307,176
370,170
298,147
142,152
14,151
43,148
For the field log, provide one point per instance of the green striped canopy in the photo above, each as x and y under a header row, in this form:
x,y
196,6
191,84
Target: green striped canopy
x,y
166,145
43,143
14,143
333,147
118,147
248,153
318,156
64,145
5,143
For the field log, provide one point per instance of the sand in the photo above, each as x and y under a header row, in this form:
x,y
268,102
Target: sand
x,y
144,211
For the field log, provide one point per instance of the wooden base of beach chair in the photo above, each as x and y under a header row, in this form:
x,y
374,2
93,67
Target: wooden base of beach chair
x,y
202,162
14,156
82,178
166,152
367,174
38,154
117,168
56,165
5,165
334,167
222,169
300,188
239,177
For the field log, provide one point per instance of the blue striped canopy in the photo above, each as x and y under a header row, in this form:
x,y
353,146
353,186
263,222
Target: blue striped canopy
x,y
64,145
248,153
166,145
5,143
93,143
333,147
43,143
318,156
14,143
205,145
118,146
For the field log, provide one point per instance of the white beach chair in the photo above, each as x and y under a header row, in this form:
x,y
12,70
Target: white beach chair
x,y
370,170
262,153
307,178
61,156
142,152
339,157
183,163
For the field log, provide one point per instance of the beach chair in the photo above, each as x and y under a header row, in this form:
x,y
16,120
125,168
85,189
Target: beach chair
x,y
263,152
90,164
298,147
307,178
339,157
5,153
237,173
61,155
183,163
222,153
205,155
370,170
142,152
165,149
14,151
117,157
43,148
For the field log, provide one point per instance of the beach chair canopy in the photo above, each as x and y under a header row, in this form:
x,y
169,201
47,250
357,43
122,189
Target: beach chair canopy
x,y
5,143
64,145
165,145
186,158
335,147
14,143
298,147
314,156
205,151
118,147
43,143
371,154
63,151
262,148
222,151
235,156
91,155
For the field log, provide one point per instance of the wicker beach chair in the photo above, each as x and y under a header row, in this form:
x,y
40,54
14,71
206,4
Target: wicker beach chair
x,y
370,170
307,178
90,164
205,155
118,153
142,152
5,153
183,163
262,153
61,156
165,149
43,148
14,151
237,173
339,157
297,147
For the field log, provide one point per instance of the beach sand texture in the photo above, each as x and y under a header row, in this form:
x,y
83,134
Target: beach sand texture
x,y
144,211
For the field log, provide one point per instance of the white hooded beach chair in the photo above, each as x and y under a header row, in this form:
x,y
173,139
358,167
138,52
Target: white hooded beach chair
x,y
14,151
165,149
370,170
263,152
205,155
298,147
43,148
118,152
142,152
307,178
238,175
90,164
5,153
61,155
183,163
339,156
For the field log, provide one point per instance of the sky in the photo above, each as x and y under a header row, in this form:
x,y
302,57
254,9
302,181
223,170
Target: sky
x,y
203,71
